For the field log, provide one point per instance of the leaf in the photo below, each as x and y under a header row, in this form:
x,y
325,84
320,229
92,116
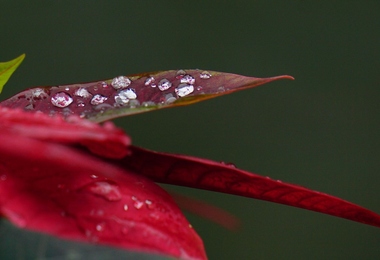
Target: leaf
x,y
7,69
208,175
103,100
49,185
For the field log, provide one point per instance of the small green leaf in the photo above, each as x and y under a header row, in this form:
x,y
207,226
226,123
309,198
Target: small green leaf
x,y
7,68
127,95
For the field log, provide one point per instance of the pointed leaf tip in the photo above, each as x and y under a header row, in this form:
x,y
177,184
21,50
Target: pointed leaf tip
x,y
126,95
7,68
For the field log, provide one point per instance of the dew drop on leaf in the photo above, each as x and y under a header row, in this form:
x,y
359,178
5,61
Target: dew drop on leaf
x,y
229,164
134,103
104,85
164,84
120,82
205,75
129,93
100,227
169,98
184,90
106,190
180,74
39,93
80,103
137,203
188,79
121,99
149,204
61,99
83,93
98,99
148,103
149,81
29,107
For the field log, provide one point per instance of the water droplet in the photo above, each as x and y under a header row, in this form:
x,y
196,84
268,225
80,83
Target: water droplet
x,y
138,204
180,74
105,189
39,93
104,84
149,204
98,99
93,176
164,84
221,89
125,207
80,103
229,164
129,93
121,100
103,107
188,79
29,107
83,93
149,82
148,104
3,177
96,212
169,98
67,111
205,75
199,88
120,82
61,99
184,90
67,89
134,103
100,227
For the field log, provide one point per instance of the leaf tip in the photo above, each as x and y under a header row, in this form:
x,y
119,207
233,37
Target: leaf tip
x,y
7,69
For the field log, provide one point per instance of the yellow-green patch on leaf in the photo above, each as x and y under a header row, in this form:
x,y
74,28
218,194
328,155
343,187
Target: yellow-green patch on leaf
x,y
7,68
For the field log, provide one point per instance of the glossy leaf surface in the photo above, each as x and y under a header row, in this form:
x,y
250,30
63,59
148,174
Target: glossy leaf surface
x,y
7,69
49,185
205,174
126,95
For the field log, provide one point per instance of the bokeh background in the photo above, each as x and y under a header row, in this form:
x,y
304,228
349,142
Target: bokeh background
x,y
320,131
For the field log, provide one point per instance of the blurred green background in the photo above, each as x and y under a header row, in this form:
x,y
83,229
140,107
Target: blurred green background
x,y
320,131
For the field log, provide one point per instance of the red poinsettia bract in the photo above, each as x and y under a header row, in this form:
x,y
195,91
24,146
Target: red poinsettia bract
x,y
49,184
79,180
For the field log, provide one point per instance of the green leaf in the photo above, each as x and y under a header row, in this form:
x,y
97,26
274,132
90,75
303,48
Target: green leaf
x,y
127,95
7,68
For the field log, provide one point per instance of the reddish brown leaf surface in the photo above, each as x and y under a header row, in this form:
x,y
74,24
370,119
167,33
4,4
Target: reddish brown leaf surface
x,y
125,95
55,188
208,175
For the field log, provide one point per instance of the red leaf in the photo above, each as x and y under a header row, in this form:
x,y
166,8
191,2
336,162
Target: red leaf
x,y
58,189
105,141
125,95
205,174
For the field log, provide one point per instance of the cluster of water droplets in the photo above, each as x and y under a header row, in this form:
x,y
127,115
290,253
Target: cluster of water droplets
x,y
121,92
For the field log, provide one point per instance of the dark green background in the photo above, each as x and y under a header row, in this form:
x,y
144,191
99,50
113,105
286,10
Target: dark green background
x,y
320,131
